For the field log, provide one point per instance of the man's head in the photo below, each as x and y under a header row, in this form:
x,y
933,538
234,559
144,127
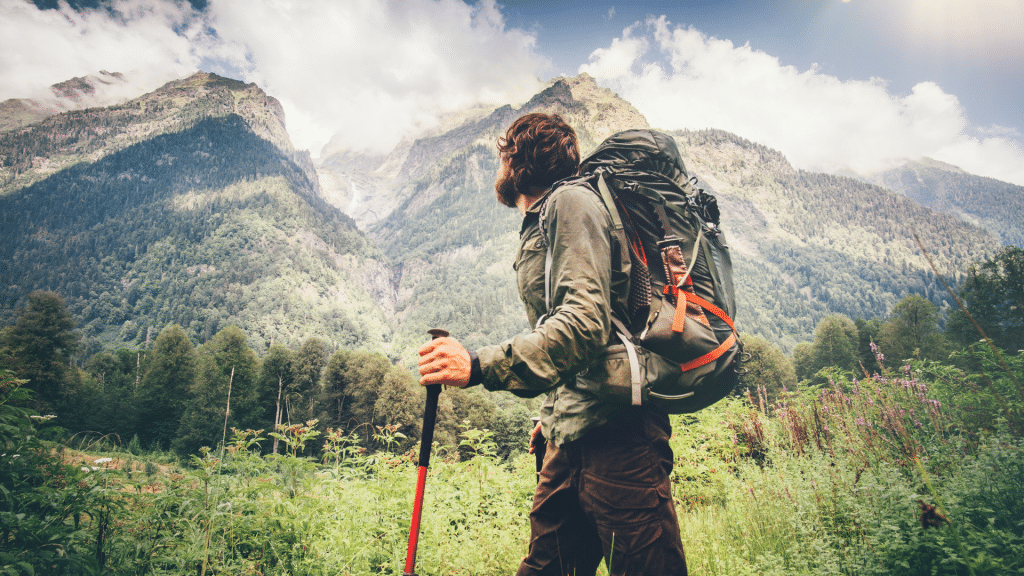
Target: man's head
x,y
537,151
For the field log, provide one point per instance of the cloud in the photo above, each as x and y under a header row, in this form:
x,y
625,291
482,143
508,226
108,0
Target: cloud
x,y
819,122
150,42
371,71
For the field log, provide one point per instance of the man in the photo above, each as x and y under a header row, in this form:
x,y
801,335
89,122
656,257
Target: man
x,y
604,489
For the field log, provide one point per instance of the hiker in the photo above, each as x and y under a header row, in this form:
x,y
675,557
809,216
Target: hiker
x,y
604,490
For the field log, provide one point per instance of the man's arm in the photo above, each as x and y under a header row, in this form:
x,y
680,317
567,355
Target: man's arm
x,y
577,329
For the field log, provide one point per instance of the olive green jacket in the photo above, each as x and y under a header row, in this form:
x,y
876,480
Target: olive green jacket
x,y
568,353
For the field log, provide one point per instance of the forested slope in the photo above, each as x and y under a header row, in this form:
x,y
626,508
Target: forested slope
x,y
204,223
189,205
996,206
807,245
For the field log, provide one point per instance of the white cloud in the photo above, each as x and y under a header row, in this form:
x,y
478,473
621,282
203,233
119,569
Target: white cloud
x,y
618,59
39,48
374,71
371,70
819,122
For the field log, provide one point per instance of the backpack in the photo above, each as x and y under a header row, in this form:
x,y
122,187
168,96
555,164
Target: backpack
x,y
680,339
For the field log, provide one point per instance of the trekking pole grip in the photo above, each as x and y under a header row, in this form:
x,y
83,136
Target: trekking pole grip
x,y
426,441
430,410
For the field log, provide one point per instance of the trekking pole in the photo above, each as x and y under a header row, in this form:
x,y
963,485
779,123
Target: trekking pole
x,y
540,446
426,440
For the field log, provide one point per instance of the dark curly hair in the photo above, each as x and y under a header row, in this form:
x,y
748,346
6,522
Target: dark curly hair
x,y
541,149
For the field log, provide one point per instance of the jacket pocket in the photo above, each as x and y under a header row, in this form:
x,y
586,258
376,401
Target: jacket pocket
x,y
609,377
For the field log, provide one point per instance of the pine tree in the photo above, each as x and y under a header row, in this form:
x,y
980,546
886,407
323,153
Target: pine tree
x,y
40,345
173,363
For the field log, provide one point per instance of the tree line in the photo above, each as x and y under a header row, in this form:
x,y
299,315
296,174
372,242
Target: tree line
x,y
170,394
993,305
174,395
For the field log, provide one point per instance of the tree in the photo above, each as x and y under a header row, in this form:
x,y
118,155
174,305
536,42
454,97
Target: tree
x,y
803,361
226,364
171,374
868,332
333,386
275,376
349,389
835,343
913,331
994,296
767,367
308,364
39,346
399,403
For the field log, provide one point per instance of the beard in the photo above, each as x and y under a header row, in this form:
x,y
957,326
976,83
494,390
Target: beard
x,y
505,187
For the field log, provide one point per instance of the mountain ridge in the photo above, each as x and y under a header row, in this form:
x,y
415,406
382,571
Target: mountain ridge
x,y
370,250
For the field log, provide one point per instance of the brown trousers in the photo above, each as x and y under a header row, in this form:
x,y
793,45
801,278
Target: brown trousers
x,y
607,495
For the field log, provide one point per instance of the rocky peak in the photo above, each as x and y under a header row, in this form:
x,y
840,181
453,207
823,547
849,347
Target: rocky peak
x,y
207,94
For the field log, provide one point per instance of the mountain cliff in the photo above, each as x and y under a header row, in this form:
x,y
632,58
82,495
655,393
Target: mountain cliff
x,y
190,205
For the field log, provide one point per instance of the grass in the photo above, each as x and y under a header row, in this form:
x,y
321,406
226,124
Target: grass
x,y
834,480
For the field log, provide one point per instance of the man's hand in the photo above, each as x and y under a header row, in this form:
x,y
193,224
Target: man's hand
x,y
444,361
534,441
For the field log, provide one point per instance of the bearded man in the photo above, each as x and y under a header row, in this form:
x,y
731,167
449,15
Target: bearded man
x,y
603,490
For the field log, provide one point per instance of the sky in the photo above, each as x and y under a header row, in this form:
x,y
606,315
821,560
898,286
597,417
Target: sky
x,y
835,85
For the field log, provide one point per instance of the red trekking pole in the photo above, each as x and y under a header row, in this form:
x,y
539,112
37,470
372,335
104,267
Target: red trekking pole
x,y
426,440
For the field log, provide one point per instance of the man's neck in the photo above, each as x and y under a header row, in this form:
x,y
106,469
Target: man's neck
x,y
524,201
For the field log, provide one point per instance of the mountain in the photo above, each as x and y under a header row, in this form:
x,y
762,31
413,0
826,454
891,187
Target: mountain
x,y
805,245
79,92
994,205
187,205
190,205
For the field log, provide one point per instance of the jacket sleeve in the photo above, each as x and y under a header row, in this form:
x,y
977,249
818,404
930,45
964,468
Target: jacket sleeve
x,y
578,326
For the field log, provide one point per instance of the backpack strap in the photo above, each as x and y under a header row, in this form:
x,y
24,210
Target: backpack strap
x,y
617,229
636,382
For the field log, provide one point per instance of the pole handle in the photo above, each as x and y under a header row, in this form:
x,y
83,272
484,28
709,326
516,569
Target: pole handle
x,y
426,441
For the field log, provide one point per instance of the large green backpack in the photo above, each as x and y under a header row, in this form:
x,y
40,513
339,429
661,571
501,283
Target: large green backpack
x,y
682,345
